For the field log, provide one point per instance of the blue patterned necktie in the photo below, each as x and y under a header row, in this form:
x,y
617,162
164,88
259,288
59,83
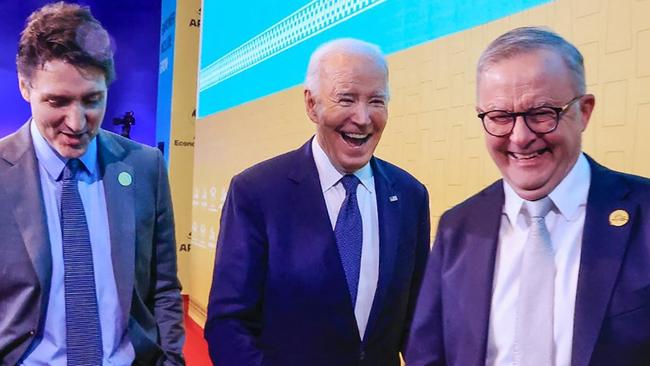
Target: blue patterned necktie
x,y
349,234
83,333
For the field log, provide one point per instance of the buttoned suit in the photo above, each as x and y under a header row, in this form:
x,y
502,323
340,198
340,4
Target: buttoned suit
x,y
612,309
279,294
142,246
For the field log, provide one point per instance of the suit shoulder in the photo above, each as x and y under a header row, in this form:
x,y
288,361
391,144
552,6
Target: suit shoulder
x,y
270,170
476,203
638,185
6,140
132,147
636,181
399,175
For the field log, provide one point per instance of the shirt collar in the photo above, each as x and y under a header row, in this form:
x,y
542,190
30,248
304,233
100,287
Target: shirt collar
x,y
53,162
328,174
567,197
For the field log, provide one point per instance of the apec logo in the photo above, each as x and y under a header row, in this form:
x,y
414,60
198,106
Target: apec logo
x,y
196,22
186,247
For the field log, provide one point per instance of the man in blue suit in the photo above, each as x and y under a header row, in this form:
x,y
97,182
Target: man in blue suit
x,y
321,250
551,265
87,250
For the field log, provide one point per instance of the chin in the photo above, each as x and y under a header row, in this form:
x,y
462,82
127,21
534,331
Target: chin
x,y
70,153
353,166
530,192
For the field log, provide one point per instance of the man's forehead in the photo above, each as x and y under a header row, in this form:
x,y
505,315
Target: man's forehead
x,y
352,72
56,70
537,57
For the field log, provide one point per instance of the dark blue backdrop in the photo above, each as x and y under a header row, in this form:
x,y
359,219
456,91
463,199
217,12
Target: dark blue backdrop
x,y
135,28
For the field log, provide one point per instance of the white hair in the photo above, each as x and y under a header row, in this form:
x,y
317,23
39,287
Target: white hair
x,y
348,46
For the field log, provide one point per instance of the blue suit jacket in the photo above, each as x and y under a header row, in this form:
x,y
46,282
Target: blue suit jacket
x,y
612,310
142,246
279,295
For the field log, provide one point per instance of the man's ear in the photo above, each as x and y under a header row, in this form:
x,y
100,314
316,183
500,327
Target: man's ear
x,y
23,85
587,105
310,105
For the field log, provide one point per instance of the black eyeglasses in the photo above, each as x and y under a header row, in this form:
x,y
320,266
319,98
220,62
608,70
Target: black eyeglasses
x,y
541,120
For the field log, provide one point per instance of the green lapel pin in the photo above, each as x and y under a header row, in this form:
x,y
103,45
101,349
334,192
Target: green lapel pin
x,y
125,179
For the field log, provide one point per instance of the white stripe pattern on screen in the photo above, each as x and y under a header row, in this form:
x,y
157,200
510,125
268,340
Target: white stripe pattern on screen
x,y
306,22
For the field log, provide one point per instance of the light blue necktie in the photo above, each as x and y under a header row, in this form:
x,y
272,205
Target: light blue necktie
x,y
83,333
349,234
535,315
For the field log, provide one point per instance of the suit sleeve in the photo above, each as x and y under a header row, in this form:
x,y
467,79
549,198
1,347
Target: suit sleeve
x,y
422,247
235,308
425,343
168,305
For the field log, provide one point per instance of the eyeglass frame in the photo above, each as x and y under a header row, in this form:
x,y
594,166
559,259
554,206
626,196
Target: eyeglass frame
x,y
559,111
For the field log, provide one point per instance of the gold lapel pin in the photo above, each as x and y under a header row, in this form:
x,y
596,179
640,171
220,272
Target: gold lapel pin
x,y
619,218
125,179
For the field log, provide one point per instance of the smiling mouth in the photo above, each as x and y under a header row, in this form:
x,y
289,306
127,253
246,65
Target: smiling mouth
x,y
527,156
355,139
75,137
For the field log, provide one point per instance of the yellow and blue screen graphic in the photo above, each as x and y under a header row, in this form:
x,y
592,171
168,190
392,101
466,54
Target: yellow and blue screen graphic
x,y
253,48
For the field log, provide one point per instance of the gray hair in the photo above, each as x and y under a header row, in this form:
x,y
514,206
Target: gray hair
x,y
528,39
350,46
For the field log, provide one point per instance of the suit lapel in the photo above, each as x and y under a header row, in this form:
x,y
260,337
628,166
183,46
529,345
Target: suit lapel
x,y
308,202
475,276
388,212
120,204
22,182
603,248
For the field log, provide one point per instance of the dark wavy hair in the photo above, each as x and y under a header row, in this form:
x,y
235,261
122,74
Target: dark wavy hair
x,y
67,32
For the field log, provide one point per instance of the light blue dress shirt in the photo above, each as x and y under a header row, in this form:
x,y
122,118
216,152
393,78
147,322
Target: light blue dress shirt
x,y
50,348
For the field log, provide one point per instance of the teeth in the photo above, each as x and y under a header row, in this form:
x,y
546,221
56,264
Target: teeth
x,y
356,135
526,156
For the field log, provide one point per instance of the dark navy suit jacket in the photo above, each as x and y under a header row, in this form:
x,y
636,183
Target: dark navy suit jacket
x,y
612,311
279,294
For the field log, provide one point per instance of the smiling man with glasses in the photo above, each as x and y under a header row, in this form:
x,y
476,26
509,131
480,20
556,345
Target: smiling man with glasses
x,y
551,264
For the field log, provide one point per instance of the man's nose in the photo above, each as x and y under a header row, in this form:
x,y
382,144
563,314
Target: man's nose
x,y
361,114
76,119
521,134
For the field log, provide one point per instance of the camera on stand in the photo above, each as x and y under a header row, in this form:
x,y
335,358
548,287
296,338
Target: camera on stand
x,y
126,122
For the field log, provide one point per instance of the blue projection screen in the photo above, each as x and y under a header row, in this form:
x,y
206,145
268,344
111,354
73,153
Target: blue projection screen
x,y
253,48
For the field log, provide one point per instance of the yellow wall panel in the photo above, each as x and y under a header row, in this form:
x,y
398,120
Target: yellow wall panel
x,y
181,139
433,131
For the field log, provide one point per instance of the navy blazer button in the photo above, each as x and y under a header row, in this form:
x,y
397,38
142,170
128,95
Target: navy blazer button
x,y
362,355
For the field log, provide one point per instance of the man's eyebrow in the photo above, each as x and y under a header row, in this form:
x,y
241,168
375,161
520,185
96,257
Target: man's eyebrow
x,y
66,96
94,93
55,96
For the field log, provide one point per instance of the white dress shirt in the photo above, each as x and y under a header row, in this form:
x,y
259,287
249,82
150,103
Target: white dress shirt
x,y
334,194
565,223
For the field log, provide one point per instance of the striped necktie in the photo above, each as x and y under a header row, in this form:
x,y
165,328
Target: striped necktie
x,y
83,333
